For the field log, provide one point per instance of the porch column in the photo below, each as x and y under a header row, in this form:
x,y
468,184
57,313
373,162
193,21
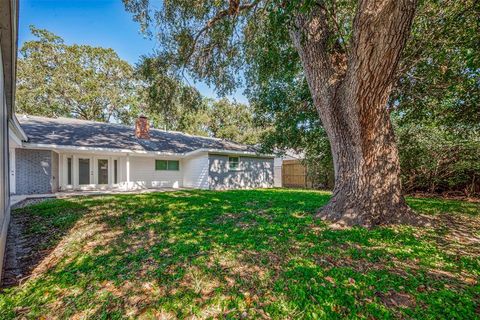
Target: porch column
x,y
128,171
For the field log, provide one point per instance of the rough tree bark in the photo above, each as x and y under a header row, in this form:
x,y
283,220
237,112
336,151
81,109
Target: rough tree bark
x,y
350,90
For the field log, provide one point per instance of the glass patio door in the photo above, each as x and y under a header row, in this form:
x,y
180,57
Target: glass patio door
x,y
83,171
102,171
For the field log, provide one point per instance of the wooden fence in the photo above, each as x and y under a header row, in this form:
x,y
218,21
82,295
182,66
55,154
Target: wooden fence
x,y
294,175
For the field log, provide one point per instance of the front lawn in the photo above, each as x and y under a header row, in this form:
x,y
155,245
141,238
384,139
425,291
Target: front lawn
x,y
242,254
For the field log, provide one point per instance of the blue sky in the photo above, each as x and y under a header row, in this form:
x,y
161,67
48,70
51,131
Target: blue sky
x,y
102,23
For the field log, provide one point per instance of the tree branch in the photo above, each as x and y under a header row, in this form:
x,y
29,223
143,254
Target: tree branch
x,y
234,9
380,31
310,34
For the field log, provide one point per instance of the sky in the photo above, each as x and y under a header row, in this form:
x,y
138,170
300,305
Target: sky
x,y
103,23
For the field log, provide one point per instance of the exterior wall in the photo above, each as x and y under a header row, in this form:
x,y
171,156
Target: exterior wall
x,y
33,171
93,158
4,181
134,172
8,52
195,172
252,173
144,175
45,171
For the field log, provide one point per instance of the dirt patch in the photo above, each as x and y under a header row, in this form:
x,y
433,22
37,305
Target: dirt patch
x,y
29,202
458,235
475,198
21,256
25,250
394,299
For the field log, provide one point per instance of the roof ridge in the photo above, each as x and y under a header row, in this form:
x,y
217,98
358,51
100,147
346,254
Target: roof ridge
x,y
75,119
133,127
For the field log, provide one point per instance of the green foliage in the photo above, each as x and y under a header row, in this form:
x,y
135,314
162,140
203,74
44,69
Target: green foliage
x,y
436,160
437,114
210,39
435,102
440,74
173,105
169,102
80,81
232,121
241,254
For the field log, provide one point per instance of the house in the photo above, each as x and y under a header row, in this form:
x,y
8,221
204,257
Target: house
x,y
8,125
61,154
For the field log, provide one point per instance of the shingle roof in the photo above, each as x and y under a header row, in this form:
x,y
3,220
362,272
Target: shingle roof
x,y
82,133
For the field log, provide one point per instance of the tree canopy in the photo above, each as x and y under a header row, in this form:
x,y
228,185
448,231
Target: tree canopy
x,y
233,121
81,81
174,105
168,101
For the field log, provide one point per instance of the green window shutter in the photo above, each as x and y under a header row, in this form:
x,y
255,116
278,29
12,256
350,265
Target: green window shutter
x,y
174,165
160,164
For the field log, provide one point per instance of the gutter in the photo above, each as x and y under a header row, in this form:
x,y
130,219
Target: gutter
x,y
232,152
140,152
17,128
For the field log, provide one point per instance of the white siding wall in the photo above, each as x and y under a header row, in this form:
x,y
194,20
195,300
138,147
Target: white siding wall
x,y
144,175
195,172
4,181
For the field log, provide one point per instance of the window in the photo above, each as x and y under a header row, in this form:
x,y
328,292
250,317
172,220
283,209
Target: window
x,y
69,171
171,165
233,163
115,171
161,164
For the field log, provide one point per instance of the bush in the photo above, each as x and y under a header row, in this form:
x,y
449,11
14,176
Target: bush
x,y
437,161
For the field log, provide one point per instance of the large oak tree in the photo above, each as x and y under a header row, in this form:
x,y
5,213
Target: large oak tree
x,y
349,51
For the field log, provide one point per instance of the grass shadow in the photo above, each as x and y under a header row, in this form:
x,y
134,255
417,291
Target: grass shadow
x,y
232,254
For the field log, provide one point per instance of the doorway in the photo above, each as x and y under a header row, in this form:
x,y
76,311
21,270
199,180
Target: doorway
x,y
102,171
83,171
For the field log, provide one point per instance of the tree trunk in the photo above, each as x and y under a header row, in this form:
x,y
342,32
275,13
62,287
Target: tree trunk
x,y
350,90
367,174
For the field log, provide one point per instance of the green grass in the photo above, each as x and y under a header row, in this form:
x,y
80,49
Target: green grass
x,y
243,254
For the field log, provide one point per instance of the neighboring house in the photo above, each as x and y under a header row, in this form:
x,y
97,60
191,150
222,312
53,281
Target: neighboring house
x,y
61,154
9,128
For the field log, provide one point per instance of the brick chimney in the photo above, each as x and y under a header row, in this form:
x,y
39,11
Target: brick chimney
x,y
142,128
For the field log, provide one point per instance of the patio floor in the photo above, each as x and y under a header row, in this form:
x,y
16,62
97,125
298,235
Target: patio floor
x,y
15,199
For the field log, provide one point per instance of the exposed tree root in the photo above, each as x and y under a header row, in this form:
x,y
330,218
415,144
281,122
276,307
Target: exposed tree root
x,y
348,214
